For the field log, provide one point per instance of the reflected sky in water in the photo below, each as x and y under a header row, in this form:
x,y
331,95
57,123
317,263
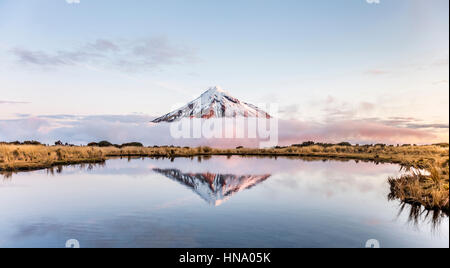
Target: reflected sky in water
x,y
213,202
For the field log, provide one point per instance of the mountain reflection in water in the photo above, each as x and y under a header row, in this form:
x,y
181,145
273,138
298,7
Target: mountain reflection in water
x,y
211,187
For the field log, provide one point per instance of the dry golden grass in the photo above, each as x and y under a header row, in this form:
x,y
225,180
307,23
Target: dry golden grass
x,y
29,157
39,156
430,190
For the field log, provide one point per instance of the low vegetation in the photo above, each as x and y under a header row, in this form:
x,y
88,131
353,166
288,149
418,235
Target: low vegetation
x,y
108,144
30,157
14,155
429,189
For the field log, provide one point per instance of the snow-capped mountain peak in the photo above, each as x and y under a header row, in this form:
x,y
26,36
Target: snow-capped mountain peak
x,y
214,103
215,89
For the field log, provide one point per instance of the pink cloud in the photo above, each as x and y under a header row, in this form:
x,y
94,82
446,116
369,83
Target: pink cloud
x,y
121,129
376,72
356,131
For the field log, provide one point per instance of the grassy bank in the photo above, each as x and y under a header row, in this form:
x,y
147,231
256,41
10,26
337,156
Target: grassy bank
x,y
31,157
27,157
430,190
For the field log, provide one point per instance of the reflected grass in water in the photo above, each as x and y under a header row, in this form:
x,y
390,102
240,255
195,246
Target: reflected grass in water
x,y
418,214
55,170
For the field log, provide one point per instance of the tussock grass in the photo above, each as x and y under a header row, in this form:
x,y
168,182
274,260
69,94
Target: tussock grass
x,y
429,190
20,156
29,157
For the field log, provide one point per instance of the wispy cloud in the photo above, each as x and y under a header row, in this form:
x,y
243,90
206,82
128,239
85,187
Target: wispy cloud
x,y
440,82
408,122
73,1
13,102
137,55
355,131
376,72
290,111
103,45
420,126
368,114
441,62
56,59
334,109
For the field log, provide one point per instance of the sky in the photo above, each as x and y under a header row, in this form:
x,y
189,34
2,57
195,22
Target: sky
x,y
359,70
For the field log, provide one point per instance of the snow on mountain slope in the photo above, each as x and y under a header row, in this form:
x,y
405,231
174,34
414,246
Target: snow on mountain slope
x,y
213,103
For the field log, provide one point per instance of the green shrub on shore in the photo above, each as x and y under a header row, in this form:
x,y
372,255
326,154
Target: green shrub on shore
x,y
132,144
104,144
109,144
21,143
93,144
304,144
443,145
344,144
100,144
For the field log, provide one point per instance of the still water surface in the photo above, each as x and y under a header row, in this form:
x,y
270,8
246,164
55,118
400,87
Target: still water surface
x,y
215,202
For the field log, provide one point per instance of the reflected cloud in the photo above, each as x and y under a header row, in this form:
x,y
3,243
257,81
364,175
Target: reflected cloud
x,y
147,233
214,188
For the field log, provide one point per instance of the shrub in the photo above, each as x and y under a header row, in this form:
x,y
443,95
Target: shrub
x,y
207,149
324,144
101,144
133,144
31,143
304,144
443,145
104,144
344,144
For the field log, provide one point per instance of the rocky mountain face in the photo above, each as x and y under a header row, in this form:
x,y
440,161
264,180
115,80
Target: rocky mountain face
x,y
213,103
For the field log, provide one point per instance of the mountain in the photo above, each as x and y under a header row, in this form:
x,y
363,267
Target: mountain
x,y
213,103
214,188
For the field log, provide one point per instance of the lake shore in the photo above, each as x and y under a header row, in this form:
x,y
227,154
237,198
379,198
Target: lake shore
x,y
30,157
430,190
